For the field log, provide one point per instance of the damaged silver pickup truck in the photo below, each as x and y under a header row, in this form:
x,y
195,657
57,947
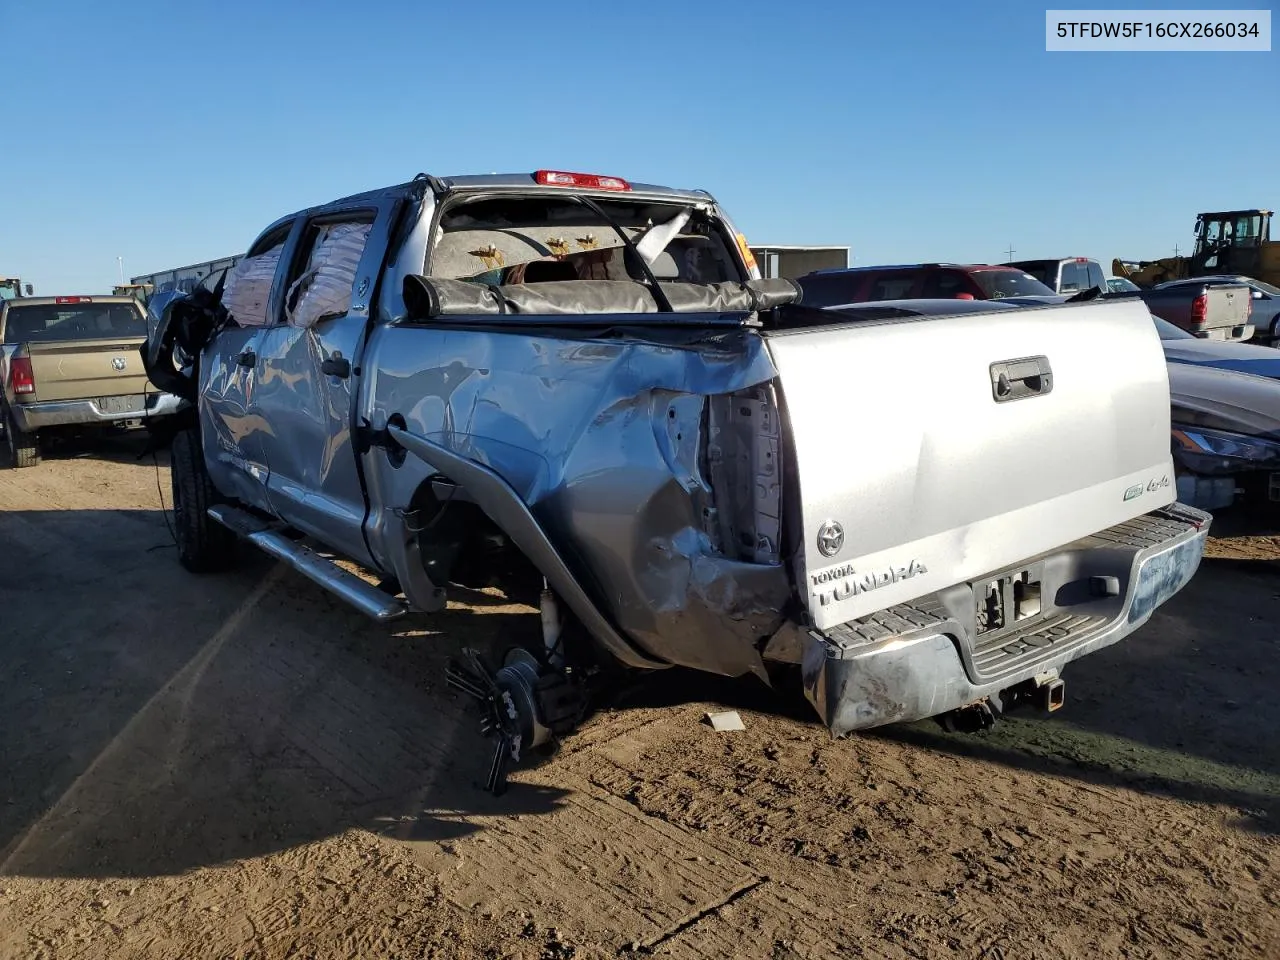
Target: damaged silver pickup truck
x,y
583,382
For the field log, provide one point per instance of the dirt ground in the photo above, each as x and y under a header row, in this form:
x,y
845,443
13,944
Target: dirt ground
x,y
239,766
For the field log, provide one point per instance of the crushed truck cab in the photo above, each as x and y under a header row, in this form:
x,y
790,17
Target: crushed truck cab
x,y
584,383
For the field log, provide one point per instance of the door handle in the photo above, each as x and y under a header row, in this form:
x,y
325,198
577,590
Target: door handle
x,y
336,366
247,359
1020,379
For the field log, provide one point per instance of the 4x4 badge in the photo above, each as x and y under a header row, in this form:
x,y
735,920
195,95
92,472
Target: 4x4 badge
x,y
830,538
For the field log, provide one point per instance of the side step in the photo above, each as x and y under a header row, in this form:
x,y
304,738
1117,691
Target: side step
x,y
364,596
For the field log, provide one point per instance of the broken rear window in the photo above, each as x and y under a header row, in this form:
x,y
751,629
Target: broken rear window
x,y
506,240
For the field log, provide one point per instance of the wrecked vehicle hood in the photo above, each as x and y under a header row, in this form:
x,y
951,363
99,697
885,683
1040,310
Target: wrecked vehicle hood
x,y
1218,399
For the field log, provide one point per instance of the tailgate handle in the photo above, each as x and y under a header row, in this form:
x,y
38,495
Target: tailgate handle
x,y
1020,379
247,359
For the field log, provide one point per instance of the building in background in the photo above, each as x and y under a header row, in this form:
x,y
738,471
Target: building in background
x,y
790,262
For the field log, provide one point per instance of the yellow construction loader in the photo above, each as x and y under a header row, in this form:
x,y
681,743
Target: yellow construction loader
x,y
1232,242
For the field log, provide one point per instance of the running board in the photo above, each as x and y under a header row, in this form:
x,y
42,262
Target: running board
x,y
364,596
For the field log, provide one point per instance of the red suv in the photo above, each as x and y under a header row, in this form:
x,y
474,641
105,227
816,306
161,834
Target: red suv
x,y
947,281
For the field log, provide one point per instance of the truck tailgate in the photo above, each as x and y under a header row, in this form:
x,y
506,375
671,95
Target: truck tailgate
x,y
83,369
1227,307
919,468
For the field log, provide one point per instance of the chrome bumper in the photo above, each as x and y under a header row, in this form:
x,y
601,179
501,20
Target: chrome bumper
x,y
1238,332
61,413
914,662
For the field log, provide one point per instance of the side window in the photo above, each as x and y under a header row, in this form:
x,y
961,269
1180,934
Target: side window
x,y
1074,278
944,284
1096,277
893,286
322,287
247,293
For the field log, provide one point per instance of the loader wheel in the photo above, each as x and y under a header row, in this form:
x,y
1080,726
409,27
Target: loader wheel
x,y
24,450
204,545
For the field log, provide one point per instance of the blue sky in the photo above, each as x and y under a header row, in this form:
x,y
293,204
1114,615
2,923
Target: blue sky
x,y
167,134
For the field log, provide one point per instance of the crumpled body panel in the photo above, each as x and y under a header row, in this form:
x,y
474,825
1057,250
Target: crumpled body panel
x,y
606,441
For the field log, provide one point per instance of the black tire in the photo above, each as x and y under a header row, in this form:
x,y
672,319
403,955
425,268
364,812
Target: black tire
x,y
24,450
204,545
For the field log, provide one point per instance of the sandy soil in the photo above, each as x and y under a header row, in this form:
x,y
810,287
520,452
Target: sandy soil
x,y
239,766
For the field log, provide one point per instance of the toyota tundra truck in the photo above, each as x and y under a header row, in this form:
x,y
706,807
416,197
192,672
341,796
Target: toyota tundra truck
x,y
71,363
581,385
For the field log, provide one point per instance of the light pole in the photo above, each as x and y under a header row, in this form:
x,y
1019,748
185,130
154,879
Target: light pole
x,y
120,261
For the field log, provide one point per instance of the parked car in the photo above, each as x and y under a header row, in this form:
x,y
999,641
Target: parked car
x,y
1265,301
1065,274
1226,431
1121,285
72,363
919,281
1209,311
585,377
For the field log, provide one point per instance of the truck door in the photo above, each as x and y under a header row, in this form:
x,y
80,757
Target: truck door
x,y
306,374
233,436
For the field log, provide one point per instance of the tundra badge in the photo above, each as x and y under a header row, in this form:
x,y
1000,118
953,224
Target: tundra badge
x,y
843,582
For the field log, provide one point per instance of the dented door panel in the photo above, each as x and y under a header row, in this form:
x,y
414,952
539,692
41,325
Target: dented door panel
x,y
231,429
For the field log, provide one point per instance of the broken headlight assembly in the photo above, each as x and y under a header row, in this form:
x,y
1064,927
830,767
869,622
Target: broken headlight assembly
x,y
1215,451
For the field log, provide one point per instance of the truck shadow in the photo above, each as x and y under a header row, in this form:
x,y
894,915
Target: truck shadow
x,y
155,722
1185,707
111,446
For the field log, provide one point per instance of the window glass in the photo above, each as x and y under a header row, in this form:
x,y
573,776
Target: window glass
x,y
895,286
46,323
1074,278
324,288
996,284
944,284
247,294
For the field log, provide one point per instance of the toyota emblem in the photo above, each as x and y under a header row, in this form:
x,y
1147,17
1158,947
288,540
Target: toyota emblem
x,y
118,363
830,538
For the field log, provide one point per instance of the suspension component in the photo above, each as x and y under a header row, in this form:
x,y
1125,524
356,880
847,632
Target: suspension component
x,y
525,705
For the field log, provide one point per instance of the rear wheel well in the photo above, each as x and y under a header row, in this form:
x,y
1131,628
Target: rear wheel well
x,y
459,544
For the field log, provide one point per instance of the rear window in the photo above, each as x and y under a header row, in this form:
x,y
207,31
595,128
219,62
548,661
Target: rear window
x,y
547,237
1046,271
50,322
893,286
997,284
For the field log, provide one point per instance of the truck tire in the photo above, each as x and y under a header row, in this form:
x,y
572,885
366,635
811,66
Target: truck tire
x,y
204,545
24,450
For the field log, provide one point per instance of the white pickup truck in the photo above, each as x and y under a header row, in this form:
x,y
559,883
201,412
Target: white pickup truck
x,y
928,516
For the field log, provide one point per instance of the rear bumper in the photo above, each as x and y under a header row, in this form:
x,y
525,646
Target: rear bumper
x,y
919,661
61,413
1238,332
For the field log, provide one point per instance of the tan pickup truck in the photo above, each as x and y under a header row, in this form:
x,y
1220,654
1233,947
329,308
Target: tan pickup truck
x,y
72,362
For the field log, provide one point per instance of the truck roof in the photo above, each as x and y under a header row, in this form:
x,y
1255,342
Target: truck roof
x,y
70,299
517,181
493,181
